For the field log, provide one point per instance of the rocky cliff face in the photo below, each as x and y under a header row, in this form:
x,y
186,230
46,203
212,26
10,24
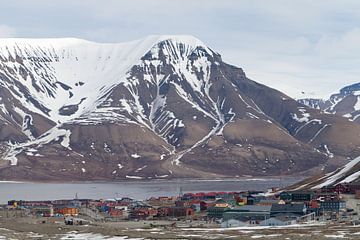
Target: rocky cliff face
x,y
160,107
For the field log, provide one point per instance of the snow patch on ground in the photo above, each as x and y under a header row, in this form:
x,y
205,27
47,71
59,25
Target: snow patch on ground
x,y
334,236
93,236
133,177
161,176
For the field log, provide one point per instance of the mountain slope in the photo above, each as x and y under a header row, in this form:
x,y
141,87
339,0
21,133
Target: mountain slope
x,y
159,107
348,173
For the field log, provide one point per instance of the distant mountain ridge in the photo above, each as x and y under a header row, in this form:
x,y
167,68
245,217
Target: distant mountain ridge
x,y
345,103
159,107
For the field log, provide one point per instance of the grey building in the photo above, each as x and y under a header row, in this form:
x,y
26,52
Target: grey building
x,y
245,216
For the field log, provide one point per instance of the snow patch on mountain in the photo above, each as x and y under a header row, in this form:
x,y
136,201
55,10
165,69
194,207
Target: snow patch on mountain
x,y
337,175
69,81
330,154
135,155
303,113
54,134
27,122
51,70
319,131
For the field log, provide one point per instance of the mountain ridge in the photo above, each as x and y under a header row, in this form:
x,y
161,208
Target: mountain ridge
x,y
165,110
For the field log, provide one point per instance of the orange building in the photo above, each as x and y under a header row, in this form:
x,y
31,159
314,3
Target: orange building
x,y
67,211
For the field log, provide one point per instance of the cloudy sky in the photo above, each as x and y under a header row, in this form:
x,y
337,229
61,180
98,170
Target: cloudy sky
x,y
305,48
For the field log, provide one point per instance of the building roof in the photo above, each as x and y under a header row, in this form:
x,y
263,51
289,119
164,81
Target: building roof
x,y
251,208
302,192
288,208
272,201
245,216
286,216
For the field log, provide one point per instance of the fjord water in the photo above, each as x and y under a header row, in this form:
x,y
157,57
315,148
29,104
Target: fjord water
x,y
135,189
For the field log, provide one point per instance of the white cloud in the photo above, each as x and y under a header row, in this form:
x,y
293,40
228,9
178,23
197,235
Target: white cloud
x,y
6,31
345,45
299,66
296,46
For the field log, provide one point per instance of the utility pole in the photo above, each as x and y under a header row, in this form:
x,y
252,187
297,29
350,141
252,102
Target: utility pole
x,y
180,192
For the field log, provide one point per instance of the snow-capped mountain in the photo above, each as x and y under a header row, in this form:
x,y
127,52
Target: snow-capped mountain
x,y
345,103
159,107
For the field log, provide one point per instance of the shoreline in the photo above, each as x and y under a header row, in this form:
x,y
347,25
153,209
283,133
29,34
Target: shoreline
x,y
145,181
133,189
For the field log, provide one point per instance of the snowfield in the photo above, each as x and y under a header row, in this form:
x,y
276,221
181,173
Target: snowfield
x,y
76,69
69,81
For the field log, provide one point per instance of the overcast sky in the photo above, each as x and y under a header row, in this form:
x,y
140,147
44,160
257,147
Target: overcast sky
x,y
296,46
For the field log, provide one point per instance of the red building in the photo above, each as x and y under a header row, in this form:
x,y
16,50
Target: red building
x,y
143,213
181,212
116,213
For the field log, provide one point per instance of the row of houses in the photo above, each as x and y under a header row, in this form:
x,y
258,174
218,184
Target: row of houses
x,y
153,208
318,201
228,208
286,207
264,215
281,209
48,208
344,188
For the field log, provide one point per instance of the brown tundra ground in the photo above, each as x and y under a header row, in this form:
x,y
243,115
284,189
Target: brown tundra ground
x,y
54,228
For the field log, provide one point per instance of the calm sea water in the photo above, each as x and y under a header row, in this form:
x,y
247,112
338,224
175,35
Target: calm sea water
x,y
137,190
